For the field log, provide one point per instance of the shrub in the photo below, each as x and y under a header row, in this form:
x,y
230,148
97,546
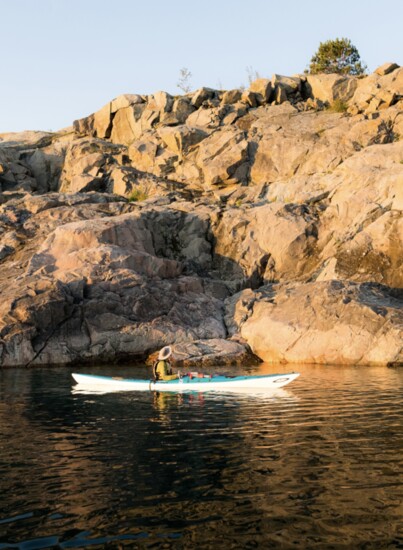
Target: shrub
x,y
184,80
338,106
138,195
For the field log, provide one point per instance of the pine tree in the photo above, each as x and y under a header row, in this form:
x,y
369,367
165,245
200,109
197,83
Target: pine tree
x,y
337,56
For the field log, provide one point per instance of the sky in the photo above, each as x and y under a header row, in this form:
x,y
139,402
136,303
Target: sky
x,y
64,59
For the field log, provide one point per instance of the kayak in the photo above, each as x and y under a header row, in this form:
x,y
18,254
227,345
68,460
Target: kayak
x,y
189,382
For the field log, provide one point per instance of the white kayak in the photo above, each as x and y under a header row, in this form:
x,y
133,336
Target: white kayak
x,y
187,382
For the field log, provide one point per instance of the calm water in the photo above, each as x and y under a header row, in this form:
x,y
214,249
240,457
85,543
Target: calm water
x,y
318,465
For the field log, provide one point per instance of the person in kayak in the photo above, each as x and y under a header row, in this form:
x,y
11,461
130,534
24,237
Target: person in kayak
x,y
162,369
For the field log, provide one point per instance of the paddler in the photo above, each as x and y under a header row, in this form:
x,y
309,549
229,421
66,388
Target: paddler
x,y
162,369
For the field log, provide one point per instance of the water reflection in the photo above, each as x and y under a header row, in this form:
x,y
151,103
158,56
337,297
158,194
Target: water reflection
x,y
178,397
319,463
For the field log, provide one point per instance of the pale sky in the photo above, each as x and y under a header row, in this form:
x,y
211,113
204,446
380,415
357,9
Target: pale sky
x,y
64,59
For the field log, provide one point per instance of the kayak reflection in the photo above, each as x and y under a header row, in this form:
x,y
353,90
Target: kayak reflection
x,y
163,400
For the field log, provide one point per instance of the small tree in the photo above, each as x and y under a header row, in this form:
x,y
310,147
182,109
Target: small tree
x,y
337,56
184,80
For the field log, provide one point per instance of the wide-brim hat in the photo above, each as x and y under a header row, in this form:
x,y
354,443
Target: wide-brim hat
x,y
164,353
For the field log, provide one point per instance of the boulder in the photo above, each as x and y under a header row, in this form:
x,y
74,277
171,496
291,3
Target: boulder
x,y
277,156
181,109
386,68
330,87
181,138
262,88
206,118
102,124
121,180
136,185
386,99
392,81
15,173
286,88
32,161
125,100
222,157
99,124
142,155
149,156
160,101
46,168
250,98
290,84
127,125
231,96
233,113
124,180
279,95
200,96
333,322
87,161
83,183
84,126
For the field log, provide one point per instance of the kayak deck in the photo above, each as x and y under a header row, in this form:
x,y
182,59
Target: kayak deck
x,y
185,383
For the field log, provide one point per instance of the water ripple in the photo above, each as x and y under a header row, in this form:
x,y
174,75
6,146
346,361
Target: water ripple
x,y
318,465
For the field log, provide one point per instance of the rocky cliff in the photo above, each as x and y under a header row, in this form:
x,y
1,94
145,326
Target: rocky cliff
x,y
267,219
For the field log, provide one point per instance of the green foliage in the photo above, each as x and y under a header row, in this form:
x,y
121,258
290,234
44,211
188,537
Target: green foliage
x,y
337,56
137,195
338,106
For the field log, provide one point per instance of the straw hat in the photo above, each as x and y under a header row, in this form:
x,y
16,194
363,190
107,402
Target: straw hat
x,y
164,353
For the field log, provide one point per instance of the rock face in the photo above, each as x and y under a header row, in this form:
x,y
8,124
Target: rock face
x,y
31,162
109,287
333,322
380,90
267,219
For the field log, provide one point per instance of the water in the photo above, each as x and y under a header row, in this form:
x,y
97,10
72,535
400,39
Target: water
x,y
317,465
